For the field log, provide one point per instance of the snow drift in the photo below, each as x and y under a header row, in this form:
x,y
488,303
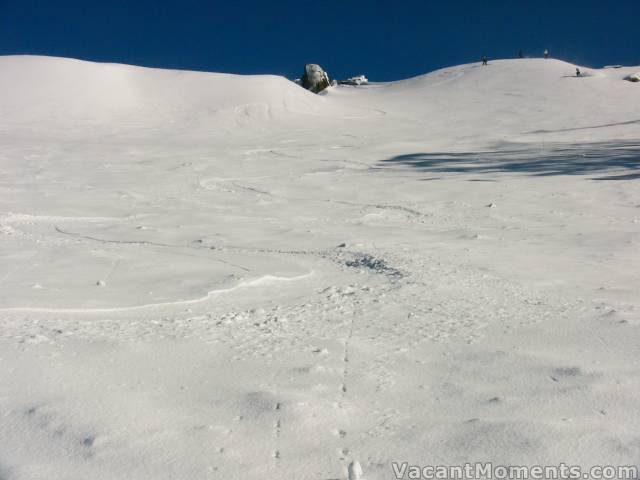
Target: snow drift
x,y
58,91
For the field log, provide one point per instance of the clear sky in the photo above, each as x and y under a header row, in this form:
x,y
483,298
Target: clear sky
x,y
385,40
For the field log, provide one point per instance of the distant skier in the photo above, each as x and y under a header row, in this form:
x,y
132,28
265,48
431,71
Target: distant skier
x,y
578,72
520,54
485,60
546,53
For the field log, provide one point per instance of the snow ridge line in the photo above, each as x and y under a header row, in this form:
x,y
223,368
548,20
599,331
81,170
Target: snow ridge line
x,y
249,283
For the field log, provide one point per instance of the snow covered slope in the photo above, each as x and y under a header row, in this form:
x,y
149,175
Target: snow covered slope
x,y
64,93
522,99
221,276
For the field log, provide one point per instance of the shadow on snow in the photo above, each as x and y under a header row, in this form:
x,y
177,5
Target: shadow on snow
x,y
543,160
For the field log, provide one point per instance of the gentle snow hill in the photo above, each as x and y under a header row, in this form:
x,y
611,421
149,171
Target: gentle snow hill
x,y
466,103
63,92
515,98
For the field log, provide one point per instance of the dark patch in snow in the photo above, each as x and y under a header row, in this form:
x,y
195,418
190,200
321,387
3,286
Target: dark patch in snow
x,y
4,473
365,261
256,404
547,160
568,371
631,176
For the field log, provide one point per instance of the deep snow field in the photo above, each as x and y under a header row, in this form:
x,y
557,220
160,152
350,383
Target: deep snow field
x,y
208,276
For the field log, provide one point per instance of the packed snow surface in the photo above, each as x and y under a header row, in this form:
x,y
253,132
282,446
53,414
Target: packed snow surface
x,y
210,276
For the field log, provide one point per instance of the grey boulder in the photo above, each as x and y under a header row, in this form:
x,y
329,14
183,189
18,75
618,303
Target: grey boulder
x,y
314,78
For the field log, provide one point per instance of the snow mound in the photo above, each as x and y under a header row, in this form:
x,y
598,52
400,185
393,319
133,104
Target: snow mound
x,y
473,103
55,91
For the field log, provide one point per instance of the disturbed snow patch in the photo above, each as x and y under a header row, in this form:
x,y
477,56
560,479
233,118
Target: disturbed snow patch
x,y
364,261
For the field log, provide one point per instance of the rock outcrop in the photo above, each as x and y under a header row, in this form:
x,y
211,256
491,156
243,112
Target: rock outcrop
x,y
358,80
634,77
314,78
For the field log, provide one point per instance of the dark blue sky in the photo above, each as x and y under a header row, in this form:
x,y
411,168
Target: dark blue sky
x,y
386,40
